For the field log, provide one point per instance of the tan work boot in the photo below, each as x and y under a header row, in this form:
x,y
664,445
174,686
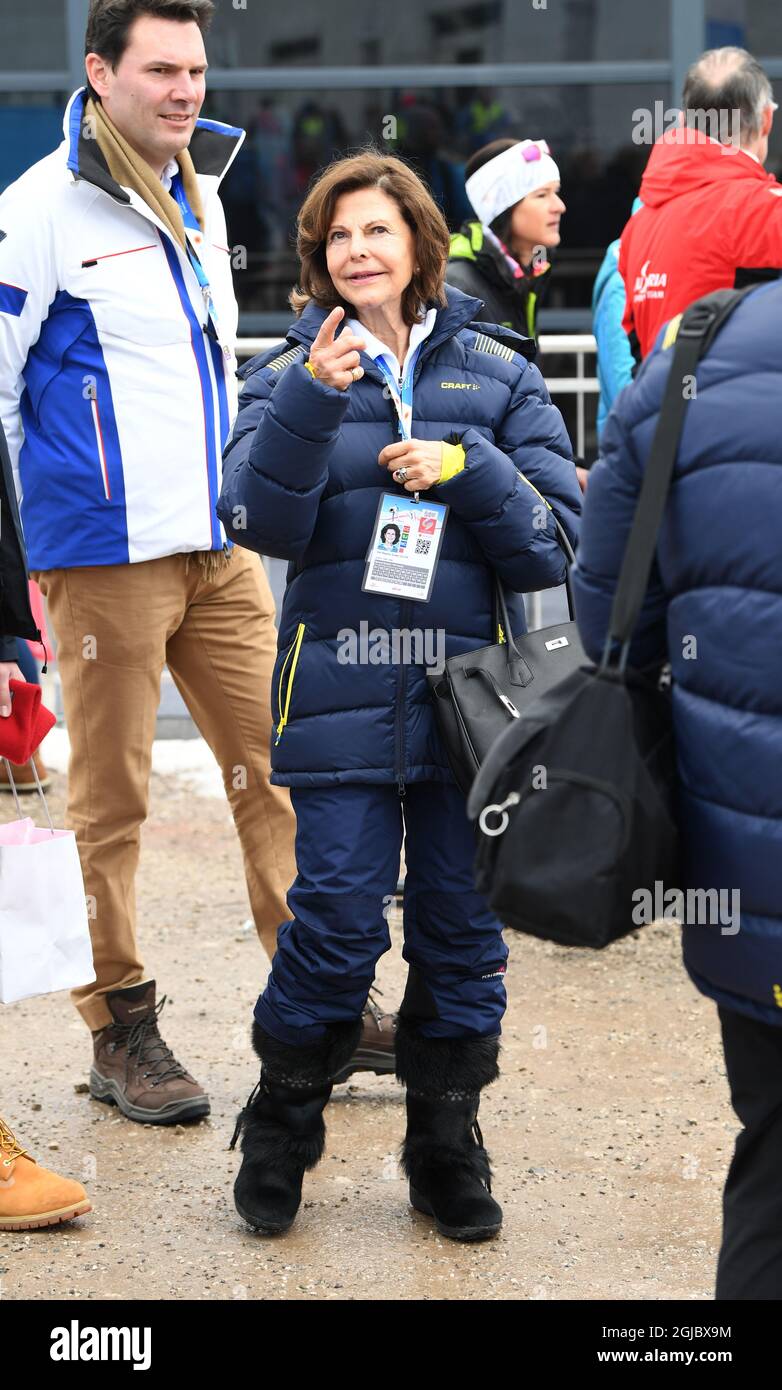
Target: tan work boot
x,y
24,777
135,1070
30,1196
376,1046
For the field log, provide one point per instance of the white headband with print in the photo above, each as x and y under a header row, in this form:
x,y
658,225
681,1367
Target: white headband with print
x,y
507,178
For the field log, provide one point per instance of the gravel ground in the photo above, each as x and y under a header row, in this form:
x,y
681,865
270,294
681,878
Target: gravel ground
x,y
610,1129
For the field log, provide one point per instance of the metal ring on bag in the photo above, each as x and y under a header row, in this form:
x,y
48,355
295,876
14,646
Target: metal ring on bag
x,y
500,810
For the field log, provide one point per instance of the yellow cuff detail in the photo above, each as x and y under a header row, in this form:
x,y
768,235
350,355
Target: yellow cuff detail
x,y
672,331
311,369
453,462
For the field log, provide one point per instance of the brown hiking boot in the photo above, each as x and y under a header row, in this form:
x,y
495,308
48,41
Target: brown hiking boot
x,y
31,1197
375,1051
133,1067
24,776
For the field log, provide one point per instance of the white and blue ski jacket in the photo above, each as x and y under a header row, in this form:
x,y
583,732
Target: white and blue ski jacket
x,y
117,388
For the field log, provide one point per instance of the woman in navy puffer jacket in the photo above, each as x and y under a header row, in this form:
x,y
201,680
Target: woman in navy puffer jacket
x,y
316,443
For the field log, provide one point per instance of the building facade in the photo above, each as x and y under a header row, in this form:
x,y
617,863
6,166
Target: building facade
x,y
430,79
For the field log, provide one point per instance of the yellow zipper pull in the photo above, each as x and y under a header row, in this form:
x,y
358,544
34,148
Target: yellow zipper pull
x,y
292,652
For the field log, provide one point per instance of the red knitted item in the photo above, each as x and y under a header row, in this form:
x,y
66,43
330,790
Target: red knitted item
x,y
27,725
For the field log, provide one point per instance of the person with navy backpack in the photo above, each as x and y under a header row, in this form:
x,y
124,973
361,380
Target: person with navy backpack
x,y
713,609
389,407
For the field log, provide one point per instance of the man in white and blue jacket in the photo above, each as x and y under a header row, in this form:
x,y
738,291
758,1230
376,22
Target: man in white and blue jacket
x,y
117,328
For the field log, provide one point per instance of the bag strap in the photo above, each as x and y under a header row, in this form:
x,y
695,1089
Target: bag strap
x,y
501,607
697,328
38,785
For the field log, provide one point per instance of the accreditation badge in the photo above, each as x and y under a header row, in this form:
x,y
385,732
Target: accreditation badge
x,y
406,541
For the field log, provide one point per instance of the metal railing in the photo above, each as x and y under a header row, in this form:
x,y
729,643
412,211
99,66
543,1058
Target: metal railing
x,y
578,345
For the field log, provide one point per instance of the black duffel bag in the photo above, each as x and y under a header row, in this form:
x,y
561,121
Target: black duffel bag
x,y
575,802
575,809
479,693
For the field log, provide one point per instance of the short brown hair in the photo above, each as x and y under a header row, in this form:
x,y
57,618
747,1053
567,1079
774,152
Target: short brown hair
x,y
109,23
371,169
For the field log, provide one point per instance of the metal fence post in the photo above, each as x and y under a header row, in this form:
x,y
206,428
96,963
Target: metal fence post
x,y
688,39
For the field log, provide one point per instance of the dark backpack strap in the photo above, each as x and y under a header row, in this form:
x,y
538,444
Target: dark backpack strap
x,y
699,325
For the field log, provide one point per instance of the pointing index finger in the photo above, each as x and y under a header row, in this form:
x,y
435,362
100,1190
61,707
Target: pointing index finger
x,y
328,328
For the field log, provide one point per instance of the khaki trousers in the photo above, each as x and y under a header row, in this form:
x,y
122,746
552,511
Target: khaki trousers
x,y
116,626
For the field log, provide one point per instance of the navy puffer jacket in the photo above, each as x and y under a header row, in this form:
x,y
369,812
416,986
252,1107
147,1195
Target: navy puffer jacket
x,y
714,608
302,462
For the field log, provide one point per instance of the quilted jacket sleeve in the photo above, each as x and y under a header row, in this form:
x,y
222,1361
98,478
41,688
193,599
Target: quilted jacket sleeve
x,y
507,517
609,507
29,280
614,354
276,462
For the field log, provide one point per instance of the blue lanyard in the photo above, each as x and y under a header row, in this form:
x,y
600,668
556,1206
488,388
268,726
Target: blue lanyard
x,y
189,220
401,393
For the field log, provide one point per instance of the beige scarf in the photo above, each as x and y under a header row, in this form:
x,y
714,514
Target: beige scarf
x,y
131,171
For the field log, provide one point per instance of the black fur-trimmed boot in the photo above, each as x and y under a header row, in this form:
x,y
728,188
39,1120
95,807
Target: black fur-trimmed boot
x,y
443,1154
282,1127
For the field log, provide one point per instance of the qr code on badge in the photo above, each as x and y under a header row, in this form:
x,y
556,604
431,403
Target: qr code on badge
x,y
422,547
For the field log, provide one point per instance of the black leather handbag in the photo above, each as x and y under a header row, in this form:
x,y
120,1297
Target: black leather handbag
x,y
478,694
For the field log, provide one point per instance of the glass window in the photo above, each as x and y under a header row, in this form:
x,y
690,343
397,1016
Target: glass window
x,y
756,26
600,137
30,127
34,36
337,33
752,24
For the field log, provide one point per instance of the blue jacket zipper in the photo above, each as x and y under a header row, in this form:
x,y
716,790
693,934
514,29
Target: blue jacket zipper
x,y
399,715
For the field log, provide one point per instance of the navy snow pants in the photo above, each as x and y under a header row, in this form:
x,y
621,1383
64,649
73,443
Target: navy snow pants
x,y
348,841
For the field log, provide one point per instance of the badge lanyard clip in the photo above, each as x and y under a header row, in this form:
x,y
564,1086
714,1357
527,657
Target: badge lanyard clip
x,y
206,291
200,273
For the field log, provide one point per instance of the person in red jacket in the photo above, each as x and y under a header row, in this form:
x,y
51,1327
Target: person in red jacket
x,y
711,215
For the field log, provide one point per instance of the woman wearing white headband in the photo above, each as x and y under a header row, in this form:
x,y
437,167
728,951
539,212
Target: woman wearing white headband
x,y
513,185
